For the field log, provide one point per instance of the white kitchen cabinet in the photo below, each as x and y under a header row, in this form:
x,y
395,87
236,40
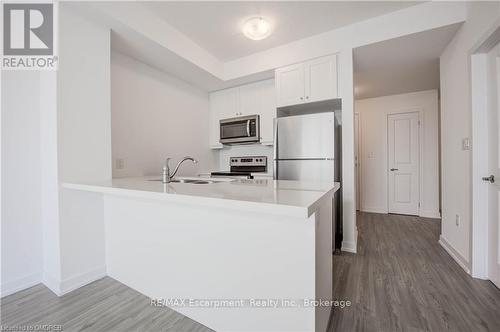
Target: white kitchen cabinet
x,y
290,85
223,105
306,82
321,79
255,98
267,107
248,102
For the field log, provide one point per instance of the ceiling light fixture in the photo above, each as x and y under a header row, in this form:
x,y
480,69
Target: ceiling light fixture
x,y
257,28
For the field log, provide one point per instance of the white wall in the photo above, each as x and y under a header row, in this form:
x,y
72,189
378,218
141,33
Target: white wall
x,y
50,181
456,125
84,146
21,261
56,127
373,149
346,89
155,116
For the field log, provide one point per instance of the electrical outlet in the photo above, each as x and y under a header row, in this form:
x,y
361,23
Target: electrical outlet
x,y
119,163
466,144
457,220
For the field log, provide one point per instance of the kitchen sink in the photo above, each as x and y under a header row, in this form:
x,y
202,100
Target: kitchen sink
x,y
193,181
190,181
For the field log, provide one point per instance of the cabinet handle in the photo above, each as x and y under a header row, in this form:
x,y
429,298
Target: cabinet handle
x,y
301,98
307,97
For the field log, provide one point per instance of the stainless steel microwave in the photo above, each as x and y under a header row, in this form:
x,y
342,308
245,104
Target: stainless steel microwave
x,y
243,129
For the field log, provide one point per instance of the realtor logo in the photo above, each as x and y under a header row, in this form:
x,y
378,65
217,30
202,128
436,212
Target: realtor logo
x,y
28,36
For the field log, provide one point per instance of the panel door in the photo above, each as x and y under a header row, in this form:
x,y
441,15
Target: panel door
x,y
496,218
403,162
321,79
494,166
356,160
290,85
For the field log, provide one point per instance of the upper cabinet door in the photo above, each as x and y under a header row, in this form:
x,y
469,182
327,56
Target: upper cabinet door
x,y
249,99
290,85
223,105
259,98
321,79
267,110
230,105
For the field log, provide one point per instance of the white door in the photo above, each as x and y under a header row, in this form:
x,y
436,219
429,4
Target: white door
x,y
356,159
493,165
403,163
321,78
290,85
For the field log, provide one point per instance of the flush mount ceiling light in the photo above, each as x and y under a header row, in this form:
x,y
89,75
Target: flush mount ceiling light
x,y
256,28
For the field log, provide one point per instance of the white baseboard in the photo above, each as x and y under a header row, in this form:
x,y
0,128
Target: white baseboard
x,y
20,284
430,214
349,246
52,283
454,254
61,287
374,210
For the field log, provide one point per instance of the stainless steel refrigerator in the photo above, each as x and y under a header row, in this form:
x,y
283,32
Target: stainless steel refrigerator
x,y
309,147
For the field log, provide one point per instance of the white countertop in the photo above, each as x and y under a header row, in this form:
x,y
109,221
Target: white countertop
x,y
292,198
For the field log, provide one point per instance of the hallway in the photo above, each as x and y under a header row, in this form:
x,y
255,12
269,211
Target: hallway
x,y
402,280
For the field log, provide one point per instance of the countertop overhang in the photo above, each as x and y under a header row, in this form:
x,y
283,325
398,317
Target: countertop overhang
x,y
279,197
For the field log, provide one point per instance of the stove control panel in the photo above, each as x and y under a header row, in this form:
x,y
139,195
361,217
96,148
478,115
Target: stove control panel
x,y
248,161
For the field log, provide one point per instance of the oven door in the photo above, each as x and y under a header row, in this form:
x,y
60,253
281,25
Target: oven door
x,y
243,129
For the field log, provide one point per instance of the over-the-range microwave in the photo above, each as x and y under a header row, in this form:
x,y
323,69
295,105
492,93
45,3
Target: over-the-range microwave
x,y
243,129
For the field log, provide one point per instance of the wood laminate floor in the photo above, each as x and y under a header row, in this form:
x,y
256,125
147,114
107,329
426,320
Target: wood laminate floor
x,y
401,279
104,305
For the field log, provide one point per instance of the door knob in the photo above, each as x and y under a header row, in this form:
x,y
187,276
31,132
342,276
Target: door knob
x,y
394,169
490,178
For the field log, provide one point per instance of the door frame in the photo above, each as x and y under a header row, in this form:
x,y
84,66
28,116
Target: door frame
x,y
421,124
357,165
479,225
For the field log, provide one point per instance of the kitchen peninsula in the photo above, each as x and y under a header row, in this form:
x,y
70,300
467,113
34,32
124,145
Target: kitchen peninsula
x,y
224,240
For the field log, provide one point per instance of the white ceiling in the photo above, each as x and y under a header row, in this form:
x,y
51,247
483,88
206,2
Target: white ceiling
x,y
216,26
401,65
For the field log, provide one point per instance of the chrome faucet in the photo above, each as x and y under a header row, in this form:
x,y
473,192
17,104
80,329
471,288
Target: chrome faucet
x,y
167,177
